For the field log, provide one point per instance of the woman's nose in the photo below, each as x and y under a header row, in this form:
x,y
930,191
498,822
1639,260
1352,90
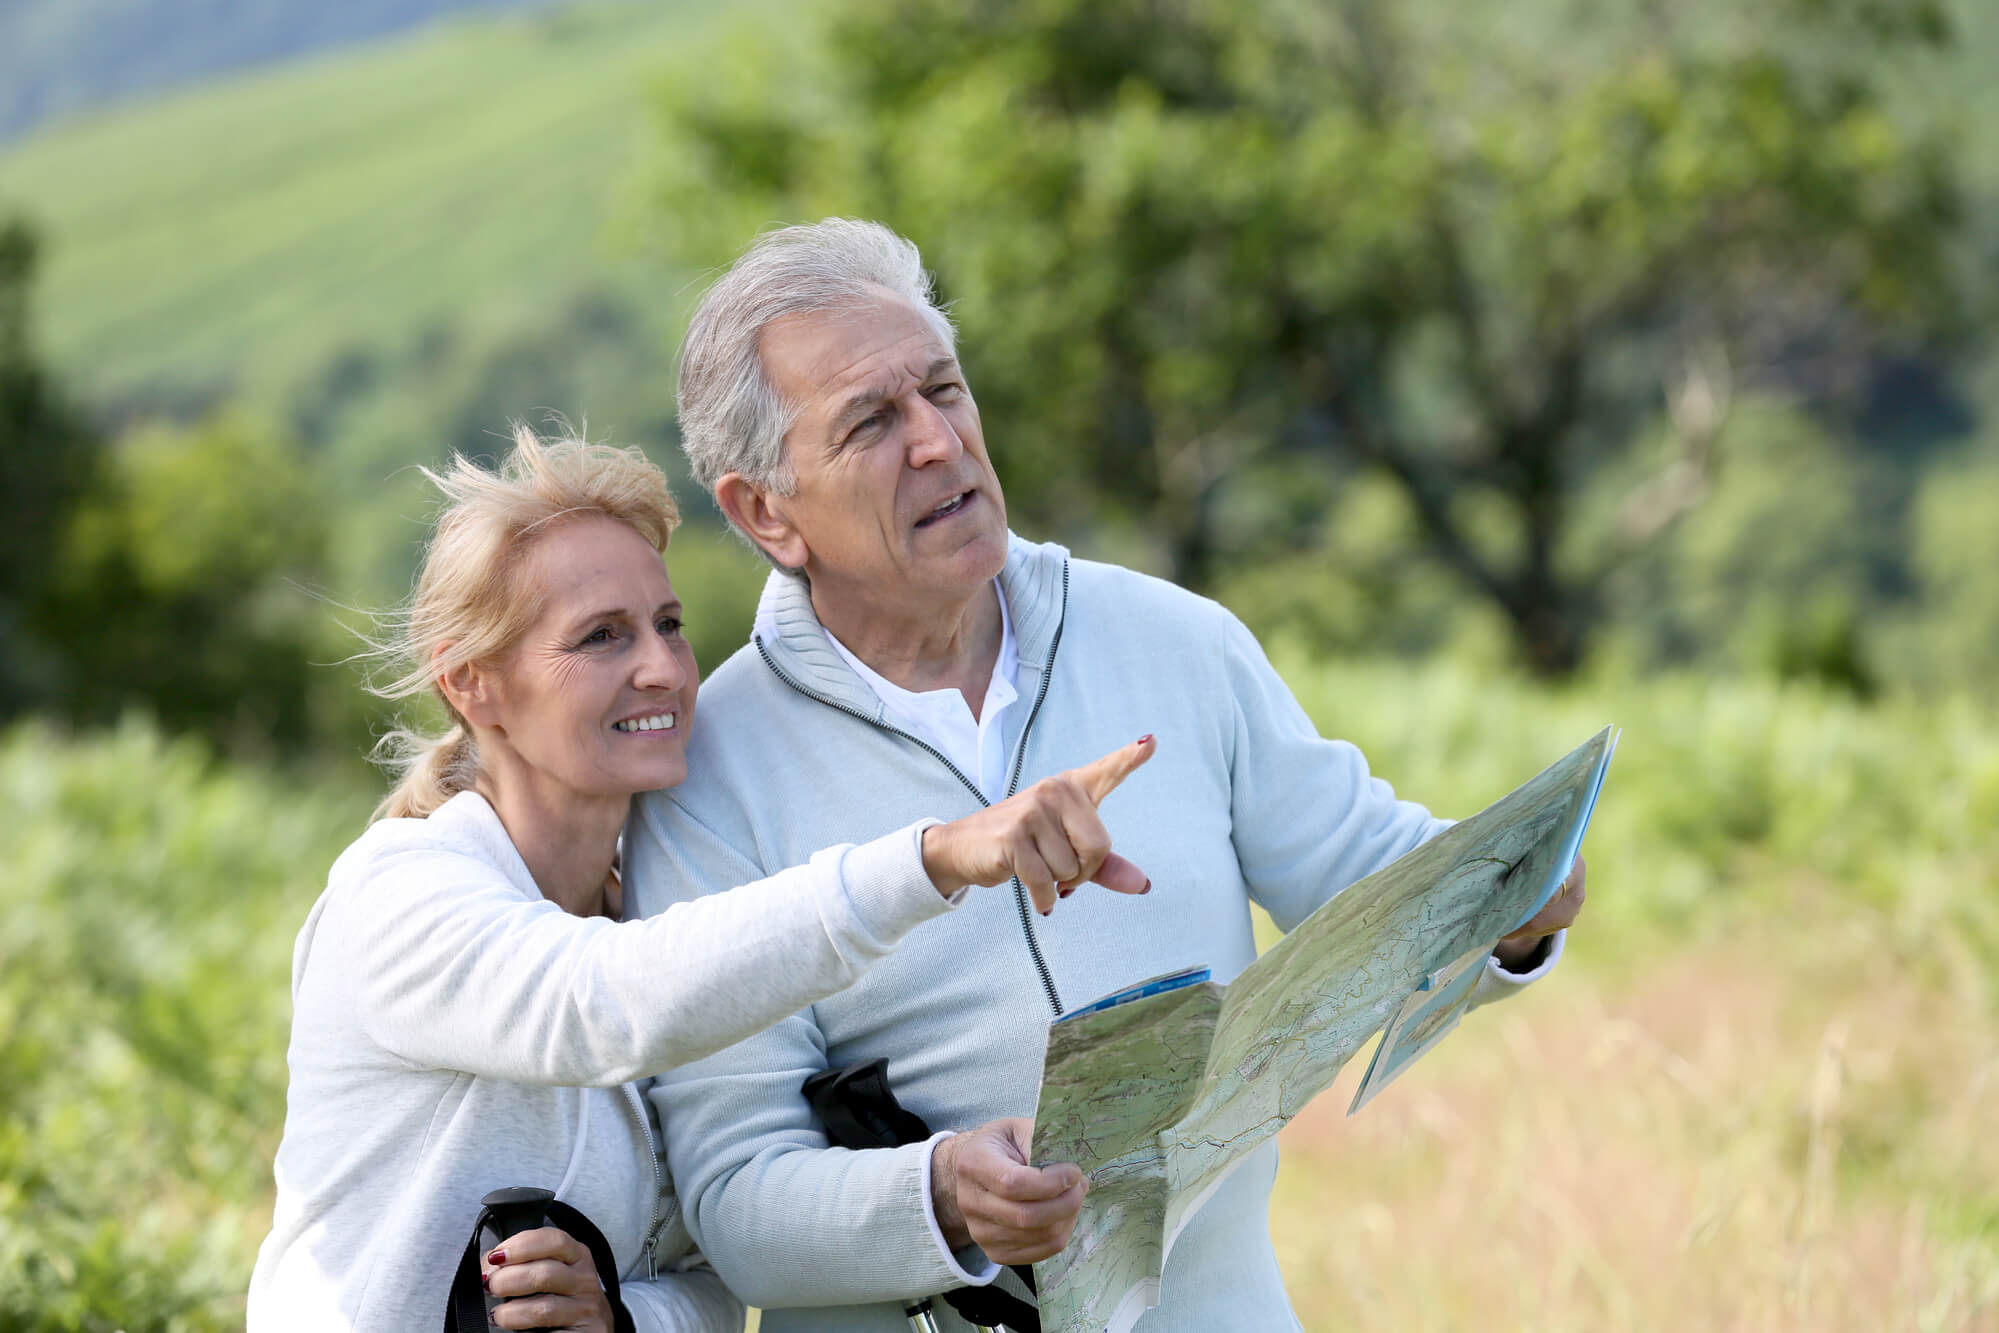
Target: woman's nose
x,y
659,666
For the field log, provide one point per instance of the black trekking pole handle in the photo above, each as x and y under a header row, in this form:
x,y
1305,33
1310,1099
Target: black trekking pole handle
x,y
509,1212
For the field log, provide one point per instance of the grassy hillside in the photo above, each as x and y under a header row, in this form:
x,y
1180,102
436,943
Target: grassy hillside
x,y
254,228
59,57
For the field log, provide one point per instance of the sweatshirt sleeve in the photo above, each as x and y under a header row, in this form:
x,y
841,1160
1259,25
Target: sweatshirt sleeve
x,y
1308,817
745,1148
455,969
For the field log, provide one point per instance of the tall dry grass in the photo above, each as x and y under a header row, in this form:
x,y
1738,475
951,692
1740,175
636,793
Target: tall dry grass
x,y
1761,1094
1781,1130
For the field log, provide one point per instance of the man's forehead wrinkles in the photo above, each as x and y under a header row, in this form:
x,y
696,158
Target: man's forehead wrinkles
x,y
877,367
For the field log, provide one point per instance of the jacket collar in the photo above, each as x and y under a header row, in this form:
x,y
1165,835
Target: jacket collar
x,y
791,640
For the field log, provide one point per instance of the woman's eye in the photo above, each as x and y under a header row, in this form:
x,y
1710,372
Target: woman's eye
x,y
668,626
602,634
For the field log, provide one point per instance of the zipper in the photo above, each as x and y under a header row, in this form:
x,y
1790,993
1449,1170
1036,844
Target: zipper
x,y
1021,901
656,1217
1013,784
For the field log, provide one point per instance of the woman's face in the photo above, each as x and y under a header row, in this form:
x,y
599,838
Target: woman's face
x,y
598,694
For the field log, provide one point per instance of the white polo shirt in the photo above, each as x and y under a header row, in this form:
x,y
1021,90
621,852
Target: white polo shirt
x,y
942,719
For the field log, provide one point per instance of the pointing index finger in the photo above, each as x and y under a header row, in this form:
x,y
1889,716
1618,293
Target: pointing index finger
x,y
1100,777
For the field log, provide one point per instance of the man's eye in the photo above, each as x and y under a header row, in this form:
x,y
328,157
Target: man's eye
x,y
948,391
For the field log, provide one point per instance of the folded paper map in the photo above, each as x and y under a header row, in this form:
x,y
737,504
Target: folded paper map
x,y
1159,1090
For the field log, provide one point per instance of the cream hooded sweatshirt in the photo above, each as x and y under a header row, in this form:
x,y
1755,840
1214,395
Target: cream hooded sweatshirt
x,y
454,1032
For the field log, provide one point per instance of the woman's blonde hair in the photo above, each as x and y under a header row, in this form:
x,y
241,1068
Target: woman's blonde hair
x,y
469,605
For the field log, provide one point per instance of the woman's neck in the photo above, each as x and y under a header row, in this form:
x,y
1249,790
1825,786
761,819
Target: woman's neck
x,y
569,841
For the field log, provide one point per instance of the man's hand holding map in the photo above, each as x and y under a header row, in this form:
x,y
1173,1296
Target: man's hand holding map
x,y
1158,1091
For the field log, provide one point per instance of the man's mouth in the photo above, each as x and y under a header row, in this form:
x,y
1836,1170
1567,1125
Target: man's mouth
x,y
657,722
945,510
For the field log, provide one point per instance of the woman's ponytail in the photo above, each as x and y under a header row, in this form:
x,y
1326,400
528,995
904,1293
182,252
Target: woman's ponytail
x,y
429,770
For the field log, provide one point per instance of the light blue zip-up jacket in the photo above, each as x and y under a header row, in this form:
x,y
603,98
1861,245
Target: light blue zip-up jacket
x,y
1243,801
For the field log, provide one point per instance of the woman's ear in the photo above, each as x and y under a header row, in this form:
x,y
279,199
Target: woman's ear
x,y
470,689
761,515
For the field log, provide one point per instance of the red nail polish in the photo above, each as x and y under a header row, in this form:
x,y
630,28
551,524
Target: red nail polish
x,y
1064,893
496,1258
1147,888
1146,737
486,1281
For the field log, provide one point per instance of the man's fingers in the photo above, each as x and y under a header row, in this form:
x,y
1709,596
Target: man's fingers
x,y
1016,1182
1017,1213
1024,1217
1560,911
1100,777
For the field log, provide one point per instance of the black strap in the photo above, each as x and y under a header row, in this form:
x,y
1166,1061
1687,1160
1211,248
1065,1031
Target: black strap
x,y
465,1307
858,1110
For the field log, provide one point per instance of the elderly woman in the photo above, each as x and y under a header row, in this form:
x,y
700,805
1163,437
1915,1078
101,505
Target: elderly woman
x,y
469,1011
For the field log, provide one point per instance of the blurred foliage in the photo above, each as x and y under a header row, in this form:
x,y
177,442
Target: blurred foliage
x,y
149,896
47,454
1199,247
182,584
168,570
190,569
152,894
384,260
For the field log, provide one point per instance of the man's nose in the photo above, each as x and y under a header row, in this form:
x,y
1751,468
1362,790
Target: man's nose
x,y
932,437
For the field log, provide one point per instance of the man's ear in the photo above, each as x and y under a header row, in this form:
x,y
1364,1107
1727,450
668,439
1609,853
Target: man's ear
x,y
761,515
471,690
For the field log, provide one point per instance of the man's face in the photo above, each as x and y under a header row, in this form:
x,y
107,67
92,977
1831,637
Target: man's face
x,y
896,502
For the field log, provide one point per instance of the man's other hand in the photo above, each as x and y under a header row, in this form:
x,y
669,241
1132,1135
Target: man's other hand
x,y
1559,913
985,1193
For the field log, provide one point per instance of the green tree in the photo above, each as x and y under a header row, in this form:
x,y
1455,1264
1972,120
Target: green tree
x,y
47,455
1467,253
183,585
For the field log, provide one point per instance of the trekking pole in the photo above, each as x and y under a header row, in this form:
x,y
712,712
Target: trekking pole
x,y
468,1306
509,1212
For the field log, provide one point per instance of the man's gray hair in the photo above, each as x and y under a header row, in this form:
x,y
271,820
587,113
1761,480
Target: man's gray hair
x,y
731,418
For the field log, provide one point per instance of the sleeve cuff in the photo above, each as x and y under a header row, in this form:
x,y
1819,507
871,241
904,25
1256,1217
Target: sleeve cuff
x,y
887,888
975,1270
1551,954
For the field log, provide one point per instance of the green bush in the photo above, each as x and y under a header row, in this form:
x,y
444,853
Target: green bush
x,y
151,896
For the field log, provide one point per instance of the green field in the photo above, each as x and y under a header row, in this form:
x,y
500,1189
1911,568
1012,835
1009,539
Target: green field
x,y
254,228
1758,1095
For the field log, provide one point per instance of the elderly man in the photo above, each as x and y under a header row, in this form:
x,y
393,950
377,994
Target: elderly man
x,y
911,658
